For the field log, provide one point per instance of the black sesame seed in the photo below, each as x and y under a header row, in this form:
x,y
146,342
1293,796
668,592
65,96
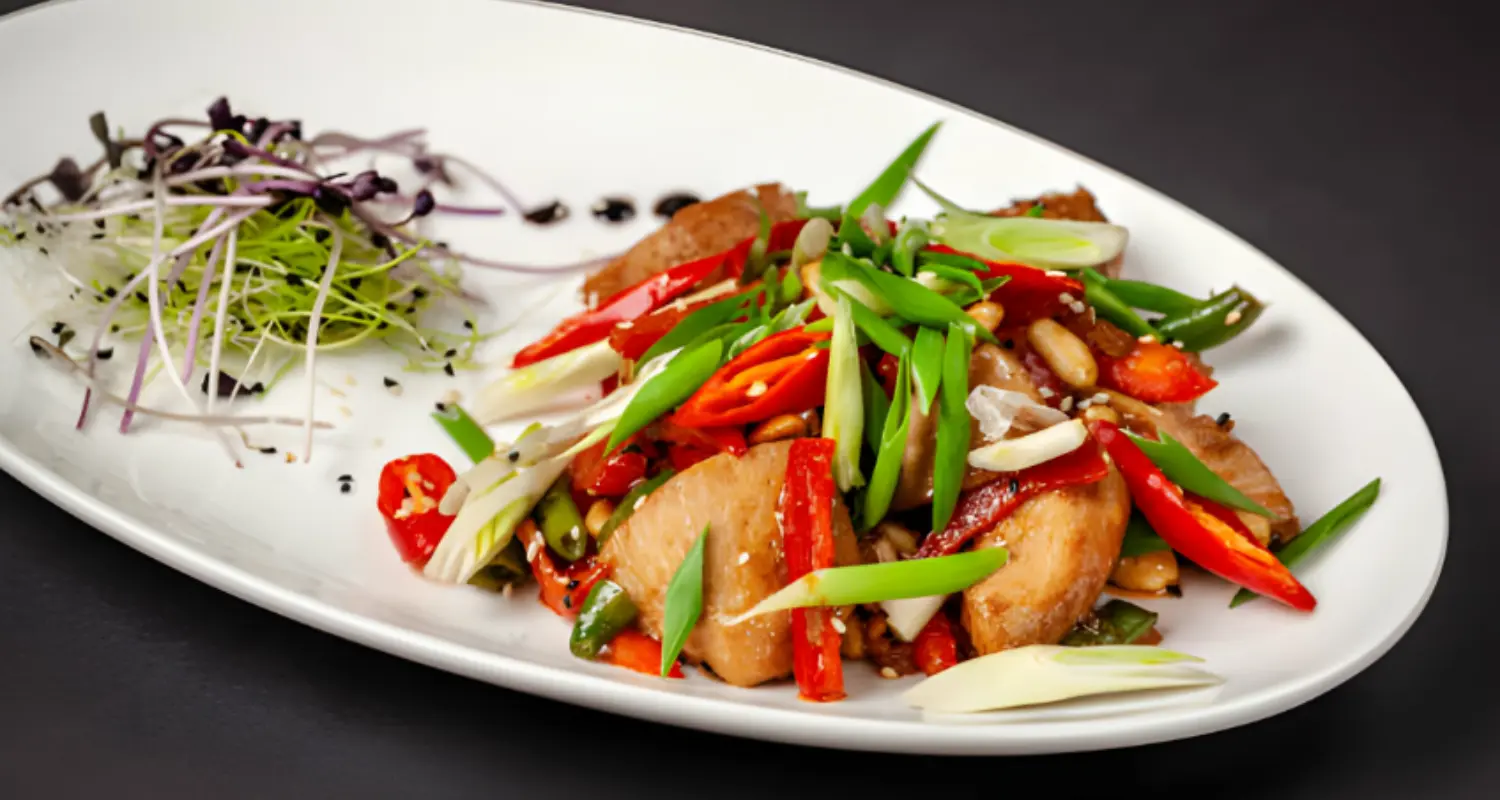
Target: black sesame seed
x,y
141,296
390,305
572,585
1014,487
105,354
355,282
567,601
345,488
390,383
115,328
1009,344
468,325
59,327
452,351
270,451
97,236
99,223
42,250
513,456
442,408
110,291
21,236
448,368
382,326
419,293
1223,419
345,478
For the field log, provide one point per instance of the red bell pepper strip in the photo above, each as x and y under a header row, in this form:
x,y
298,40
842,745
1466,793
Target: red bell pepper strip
x,y
562,590
1196,532
409,492
935,648
1030,294
1154,373
595,325
612,475
784,374
634,650
807,537
983,508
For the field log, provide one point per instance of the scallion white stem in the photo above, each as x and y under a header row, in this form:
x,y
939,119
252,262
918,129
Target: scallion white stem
x,y
312,329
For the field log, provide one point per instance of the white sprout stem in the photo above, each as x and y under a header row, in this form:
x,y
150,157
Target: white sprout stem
x,y
221,318
173,202
239,170
209,271
313,324
250,362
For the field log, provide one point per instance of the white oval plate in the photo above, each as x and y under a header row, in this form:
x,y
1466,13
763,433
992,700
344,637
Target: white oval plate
x,y
575,105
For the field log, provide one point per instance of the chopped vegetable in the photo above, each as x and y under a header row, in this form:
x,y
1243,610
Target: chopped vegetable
x,y
885,188
1154,373
684,604
784,374
881,332
409,492
1140,539
888,451
674,328
1185,469
935,649
1028,293
805,509
911,238
1216,321
1097,294
927,366
812,243
1050,243
1012,455
952,451
682,377
466,433
562,590
908,617
561,524
1114,623
906,298
874,583
631,501
1194,532
538,386
1327,528
877,406
998,410
843,410
598,473
606,611
636,651
1038,674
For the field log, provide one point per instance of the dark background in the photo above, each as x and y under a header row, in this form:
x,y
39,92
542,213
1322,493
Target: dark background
x,y
1354,145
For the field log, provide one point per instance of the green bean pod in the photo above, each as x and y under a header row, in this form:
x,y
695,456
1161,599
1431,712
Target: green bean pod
x,y
1219,319
606,611
561,524
1097,294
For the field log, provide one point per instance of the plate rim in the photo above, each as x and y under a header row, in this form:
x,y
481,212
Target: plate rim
x,y
733,717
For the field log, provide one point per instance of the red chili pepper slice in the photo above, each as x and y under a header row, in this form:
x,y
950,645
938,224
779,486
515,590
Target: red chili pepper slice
x,y
1197,533
1154,373
682,456
600,475
634,650
725,439
633,340
807,538
562,590
409,492
1030,294
983,508
935,648
595,325
784,374
886,370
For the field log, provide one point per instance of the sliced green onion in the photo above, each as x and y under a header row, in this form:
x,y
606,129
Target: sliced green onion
x,y
791,286
910,238
888,185
812,242
906,298
537,386
1050,243
889,448
1326,529
1037,674
874,583
843,410
1216,321
877,405
927,366
1036,210
561,524
1116,622
881,332
666,391
1140,538
684,604
955,260
1097,294
952,453
1151,297
956,276
488,518
1184,469
755,260
698,323
466,433
631,501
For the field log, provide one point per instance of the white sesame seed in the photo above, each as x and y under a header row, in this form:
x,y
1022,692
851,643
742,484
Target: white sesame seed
x,y
1065,298
848,249
1083,405
1078,307
1232,317
1045,392
639,501
744,558
396,389
838,625
349,379
336,392
531,550
887,672
1177,343
346,411
1055,273
452,397
1066,404
626,325
756,389
1146,338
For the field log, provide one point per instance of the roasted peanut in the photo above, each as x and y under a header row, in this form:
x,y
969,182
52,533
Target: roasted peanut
x,y
598,514
900,538
988,314
785,426
854,638
1064,352
1152,572
1101,412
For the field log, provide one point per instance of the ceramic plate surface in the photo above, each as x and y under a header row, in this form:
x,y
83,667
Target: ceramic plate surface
x,y
575,105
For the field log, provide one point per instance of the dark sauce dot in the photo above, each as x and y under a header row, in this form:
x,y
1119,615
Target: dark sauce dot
x,y
346,488
671,204
345,478
614,209
554,211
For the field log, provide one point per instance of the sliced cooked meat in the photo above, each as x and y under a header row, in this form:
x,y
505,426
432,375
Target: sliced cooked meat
x,y
694,232
1235,462
1079,206
988,366
1063,546
737,499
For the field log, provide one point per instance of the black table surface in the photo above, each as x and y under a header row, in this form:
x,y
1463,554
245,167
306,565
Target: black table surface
x,y
1352,144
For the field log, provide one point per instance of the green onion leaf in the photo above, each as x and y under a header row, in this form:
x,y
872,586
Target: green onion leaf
x,y
1097,294
696,324
882,333
905,297
1140,538
676,383
955,260
1036,210
843,410
876,406
889,448
631,501
952,453
962,277
910,238
1184,469
1326,529
466,433
874,583
927,367
1214,322
536,386
888,185
684,604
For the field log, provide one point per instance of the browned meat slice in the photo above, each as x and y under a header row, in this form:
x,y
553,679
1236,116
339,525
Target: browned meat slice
x,y
989,366
1236,463
742,559
1063,545
1079,206
694,232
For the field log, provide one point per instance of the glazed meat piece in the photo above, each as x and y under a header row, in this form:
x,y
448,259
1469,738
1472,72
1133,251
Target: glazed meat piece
x,y
1063,546
1235,462
1079,206
699,230
742,559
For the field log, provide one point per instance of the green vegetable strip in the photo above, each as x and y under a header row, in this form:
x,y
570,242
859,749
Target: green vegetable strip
x,y
1115,623
628,503
962,277
1149,296
684,604
1140,538
889,448
1326,529
1219,319
843,409
561,524
955,260
1097,294
465,432
695,324
910,239
883,191
606,611
661,394
876,583
907,298
881,332
951,459
1183,468
876,406
927,367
